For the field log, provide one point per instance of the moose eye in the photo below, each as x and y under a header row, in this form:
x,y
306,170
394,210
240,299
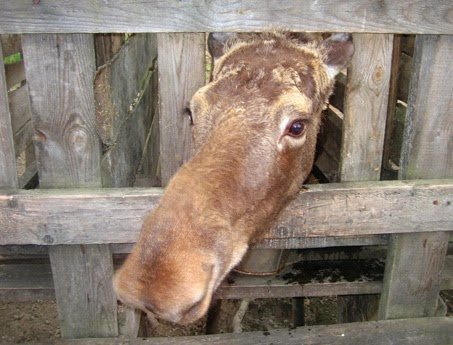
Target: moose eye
x,y
296,128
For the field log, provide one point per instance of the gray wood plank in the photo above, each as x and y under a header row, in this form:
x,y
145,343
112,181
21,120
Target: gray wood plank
x,y
181,60
86,16
8,174
358,208
433,331
366,107
428,134
60,71
415,261
125,100
30,282
83,289
365,112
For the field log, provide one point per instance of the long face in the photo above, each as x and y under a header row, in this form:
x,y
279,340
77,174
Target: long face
x,y
255,128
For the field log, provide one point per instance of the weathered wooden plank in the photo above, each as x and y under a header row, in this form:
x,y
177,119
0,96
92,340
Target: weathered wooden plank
x,y
359,208
181,60
60,71
447,274
25,280
90,311
86,16
8,175
428,137
305,243
124,108
365,112
30,282
20,118
433,331
415,261
366,107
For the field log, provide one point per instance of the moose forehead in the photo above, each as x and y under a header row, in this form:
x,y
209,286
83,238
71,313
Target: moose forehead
x,y
268,74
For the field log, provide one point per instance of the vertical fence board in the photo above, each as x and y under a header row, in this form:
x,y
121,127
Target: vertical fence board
x,y
366,107
8,175
415,261
366,103
181,61
60,71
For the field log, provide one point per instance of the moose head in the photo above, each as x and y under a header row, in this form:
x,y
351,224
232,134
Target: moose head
x,y
255,129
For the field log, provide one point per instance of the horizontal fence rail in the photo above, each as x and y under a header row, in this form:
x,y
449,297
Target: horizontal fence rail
x,y
88,16
50,217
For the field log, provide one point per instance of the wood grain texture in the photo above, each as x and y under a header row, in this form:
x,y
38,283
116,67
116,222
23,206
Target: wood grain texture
x,y
85,16
21,123
433,331
60,72
366,107
365,112
125,101
415,261
412,278
360,208
8,174
30,282
428,134
181,59
90,310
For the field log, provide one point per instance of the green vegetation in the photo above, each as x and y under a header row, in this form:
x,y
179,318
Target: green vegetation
x,y
11,59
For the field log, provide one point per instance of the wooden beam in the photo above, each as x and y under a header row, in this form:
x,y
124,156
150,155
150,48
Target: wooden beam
x,y
415,261
365,108
60,71
357,208
428,134
181,73
422,331
84,16
8,174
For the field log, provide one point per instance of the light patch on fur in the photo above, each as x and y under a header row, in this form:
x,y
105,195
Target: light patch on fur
x,y
331,71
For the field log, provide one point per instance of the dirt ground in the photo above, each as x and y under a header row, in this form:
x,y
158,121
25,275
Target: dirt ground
x,y
38,321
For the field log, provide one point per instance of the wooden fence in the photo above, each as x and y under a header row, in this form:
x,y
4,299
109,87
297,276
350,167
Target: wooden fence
x,y
89,105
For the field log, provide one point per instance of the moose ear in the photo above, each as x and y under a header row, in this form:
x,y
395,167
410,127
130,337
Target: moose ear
x,y
217,42
339,50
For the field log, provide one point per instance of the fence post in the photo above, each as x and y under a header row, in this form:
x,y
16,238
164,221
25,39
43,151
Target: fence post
x,y
8,174
60,70
414,261
181,65
365,111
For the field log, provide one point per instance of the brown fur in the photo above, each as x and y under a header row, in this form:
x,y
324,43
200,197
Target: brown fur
x,y
246,168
